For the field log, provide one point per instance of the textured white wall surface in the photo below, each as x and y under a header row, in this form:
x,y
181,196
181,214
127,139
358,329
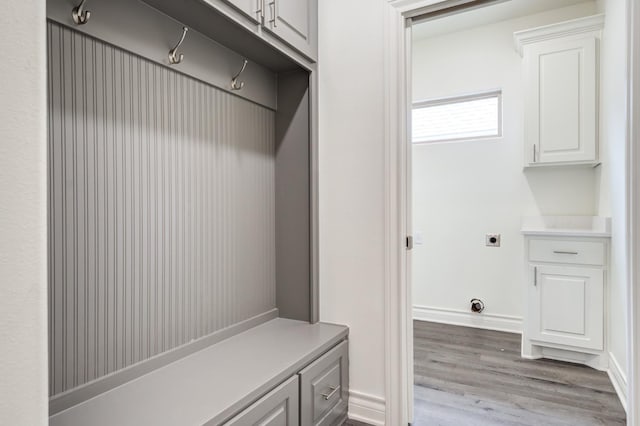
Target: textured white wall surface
x,y
612,173
23,214
464,190
352,183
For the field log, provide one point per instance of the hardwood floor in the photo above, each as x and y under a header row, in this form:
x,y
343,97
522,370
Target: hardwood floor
x,y
472,377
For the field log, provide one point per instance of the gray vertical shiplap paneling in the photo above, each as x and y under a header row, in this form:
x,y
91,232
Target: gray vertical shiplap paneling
x,y
162,210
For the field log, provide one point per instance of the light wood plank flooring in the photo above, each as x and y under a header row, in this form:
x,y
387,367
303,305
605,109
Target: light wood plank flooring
x,y
471,377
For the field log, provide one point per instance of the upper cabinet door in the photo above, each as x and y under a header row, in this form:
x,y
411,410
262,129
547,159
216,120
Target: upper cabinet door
x,y
251,8
295,22
561,94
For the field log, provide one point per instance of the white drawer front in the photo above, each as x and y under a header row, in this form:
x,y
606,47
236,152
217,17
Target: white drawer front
x,y
566,251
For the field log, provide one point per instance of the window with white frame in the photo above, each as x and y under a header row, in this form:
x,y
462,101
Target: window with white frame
x,y
459,118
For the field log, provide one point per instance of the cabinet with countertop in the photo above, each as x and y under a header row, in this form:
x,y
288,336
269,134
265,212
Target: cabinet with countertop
x,y
566,267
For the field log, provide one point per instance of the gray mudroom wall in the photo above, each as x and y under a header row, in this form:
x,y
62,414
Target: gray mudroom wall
x,y
293,262
162,209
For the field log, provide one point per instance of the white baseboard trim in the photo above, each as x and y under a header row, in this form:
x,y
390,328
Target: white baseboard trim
x,y
618,379
469,319
366,408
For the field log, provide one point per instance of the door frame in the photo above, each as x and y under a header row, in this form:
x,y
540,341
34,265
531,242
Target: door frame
x,y
633,213
398,329
398,309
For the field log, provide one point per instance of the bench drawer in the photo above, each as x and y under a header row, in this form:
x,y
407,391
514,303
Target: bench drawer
x,y
277,408
567,251
324,388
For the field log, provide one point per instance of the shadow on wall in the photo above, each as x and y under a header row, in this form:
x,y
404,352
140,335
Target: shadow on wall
x,y
568,196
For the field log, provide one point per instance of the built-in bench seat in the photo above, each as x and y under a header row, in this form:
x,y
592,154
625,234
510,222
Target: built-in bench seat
x,y
215,384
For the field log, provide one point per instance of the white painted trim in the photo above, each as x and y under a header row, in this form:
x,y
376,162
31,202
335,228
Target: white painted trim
x,y
407,221
618,379
398,328
561,29
485,321
396,304
366,408
633,212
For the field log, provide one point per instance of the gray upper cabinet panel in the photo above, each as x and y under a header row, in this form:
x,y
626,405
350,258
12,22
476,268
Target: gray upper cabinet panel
x,y
295,22
278,34
251,8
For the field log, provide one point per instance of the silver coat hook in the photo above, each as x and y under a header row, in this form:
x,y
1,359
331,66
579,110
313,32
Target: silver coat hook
x,y
174,58
234,80
79,15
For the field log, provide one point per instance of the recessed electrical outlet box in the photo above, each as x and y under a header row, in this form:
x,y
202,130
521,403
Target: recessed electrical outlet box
x,y
492,240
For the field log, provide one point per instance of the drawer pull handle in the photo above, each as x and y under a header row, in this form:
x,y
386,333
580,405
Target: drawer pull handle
x,y
564,252
327,396
260,10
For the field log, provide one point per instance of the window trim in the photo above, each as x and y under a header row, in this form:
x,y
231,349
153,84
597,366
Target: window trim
x,y
494,93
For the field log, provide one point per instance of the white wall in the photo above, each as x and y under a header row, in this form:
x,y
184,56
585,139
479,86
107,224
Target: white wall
x,y
352,190
464,190
352,169
612,181
23,286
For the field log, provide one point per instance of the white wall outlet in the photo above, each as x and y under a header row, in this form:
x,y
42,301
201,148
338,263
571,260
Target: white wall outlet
x,y
418,238
492,240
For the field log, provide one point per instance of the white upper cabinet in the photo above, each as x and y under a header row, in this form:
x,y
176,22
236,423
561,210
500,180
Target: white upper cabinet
x,y
560,109
561,92
295,22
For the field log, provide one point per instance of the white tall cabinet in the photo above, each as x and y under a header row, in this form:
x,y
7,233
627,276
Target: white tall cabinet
x,y
560,72
566,271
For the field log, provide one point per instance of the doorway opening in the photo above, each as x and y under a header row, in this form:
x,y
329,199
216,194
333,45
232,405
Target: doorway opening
x,y
517,279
